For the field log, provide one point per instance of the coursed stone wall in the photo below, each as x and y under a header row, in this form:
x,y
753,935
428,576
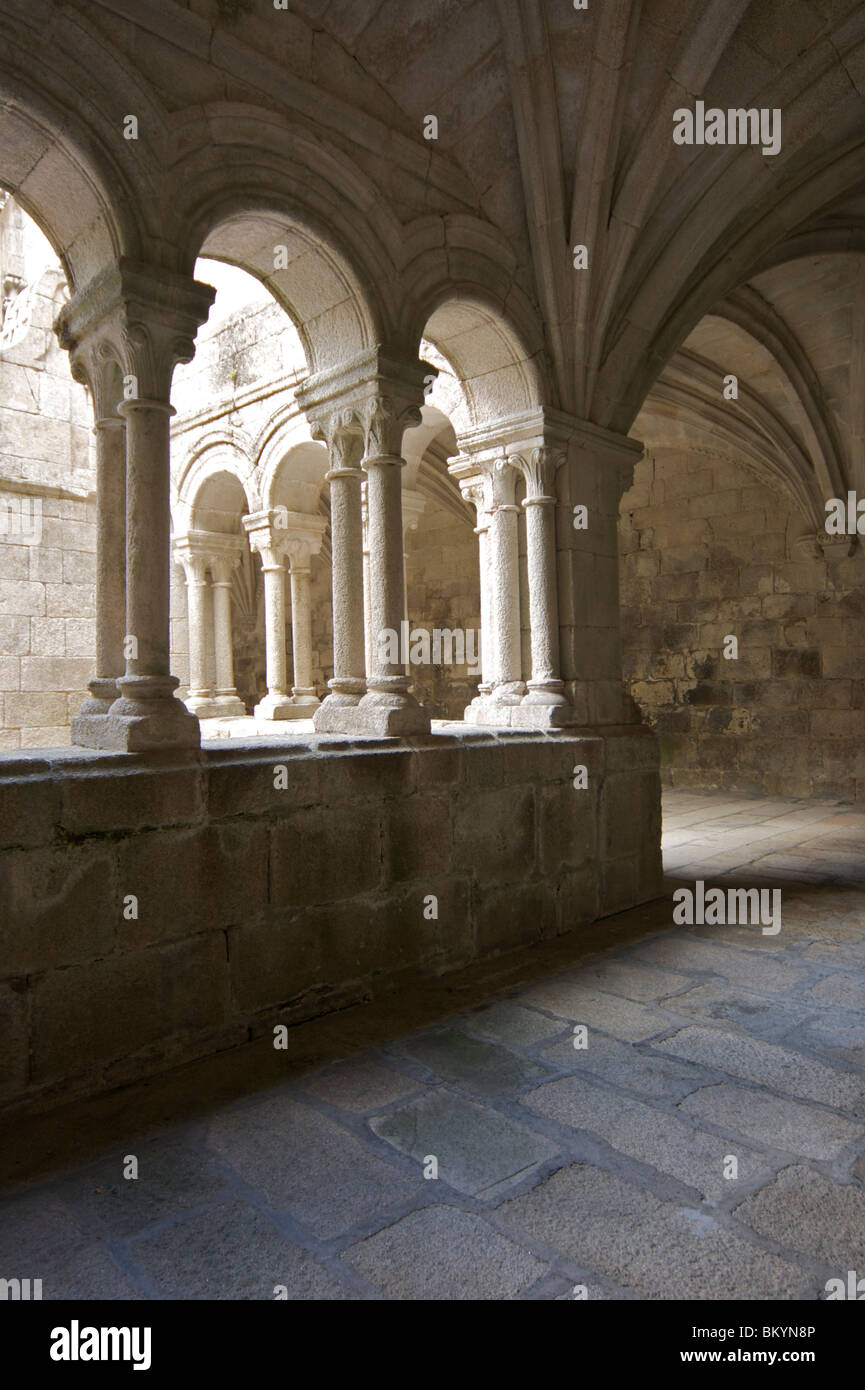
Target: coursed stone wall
x,y
706,553
150,914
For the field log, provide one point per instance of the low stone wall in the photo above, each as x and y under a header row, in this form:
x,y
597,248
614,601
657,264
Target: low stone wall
x,y
154,913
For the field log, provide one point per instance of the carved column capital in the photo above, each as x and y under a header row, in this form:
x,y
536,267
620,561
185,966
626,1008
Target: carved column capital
x,y
139,318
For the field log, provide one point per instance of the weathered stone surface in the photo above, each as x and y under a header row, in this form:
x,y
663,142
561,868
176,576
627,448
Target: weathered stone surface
x,y
478,1066
772,1121
645,1245
624,1065
423,1257
570,999
478,1151
766,1064
231,1252
360,1086
310,1167
511,1024
806,1212
651,1136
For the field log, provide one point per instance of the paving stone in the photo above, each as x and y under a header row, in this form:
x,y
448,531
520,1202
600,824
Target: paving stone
x,y
480,1066
623,1065
765,1064
308,1166
778,1123
663,1141
645,1245
231,1252
511,1023
170,1180
360,1086
632,979
746,1011
606,1012
732,965
804,1211
478,1150
424,1256
844,990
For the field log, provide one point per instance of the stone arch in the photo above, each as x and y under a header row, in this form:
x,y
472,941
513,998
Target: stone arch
x,y
500,374
60,173
295,476
223,454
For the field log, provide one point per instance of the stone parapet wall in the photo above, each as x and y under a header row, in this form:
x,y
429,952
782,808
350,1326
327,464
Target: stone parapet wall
x,y
257,906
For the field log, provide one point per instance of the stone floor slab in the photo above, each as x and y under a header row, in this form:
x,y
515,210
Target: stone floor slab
x,y
444,1254
477,1149
773,1121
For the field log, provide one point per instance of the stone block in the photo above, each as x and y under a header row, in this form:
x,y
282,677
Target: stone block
x,y
189,881
422,1257
325,854
311,1168
820,1219
29,810
21,597
57,907
134,798
417,837
244,785
773,1122
494,833
109,1008
479,1151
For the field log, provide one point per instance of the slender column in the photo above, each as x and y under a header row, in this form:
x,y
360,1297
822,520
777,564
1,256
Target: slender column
x,y
273,566
473,491
110,433
221,567
546,686
346,537
388,707
303,690
367,620
195,567
504,584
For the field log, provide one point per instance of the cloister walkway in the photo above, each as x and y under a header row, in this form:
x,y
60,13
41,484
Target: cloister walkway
x,y
607,1168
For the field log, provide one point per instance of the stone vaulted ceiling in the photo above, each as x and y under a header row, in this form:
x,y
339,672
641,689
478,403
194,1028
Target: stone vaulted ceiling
x,y
554,129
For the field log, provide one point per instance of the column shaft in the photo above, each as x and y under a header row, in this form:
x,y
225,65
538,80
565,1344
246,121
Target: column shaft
x,y
301,633
504,581
346,533
546,684
274,619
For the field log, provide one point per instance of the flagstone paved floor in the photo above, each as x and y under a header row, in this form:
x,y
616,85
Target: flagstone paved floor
x,y
708,1141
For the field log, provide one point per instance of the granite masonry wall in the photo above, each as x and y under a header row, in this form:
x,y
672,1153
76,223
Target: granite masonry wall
x,y
151,913
705,552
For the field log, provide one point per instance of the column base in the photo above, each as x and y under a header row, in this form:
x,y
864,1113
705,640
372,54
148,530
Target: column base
x,y
147,717
497,706
283,707
378,715
140,726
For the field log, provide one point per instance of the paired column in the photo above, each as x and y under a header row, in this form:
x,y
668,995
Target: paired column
x,y
363,415
546,688
279,535
142,319
208,563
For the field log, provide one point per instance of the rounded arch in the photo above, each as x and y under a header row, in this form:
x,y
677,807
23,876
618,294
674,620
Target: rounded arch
x,y
62,169
221,455
295,477
500,374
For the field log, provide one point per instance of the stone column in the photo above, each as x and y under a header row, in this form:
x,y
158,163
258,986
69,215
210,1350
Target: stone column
x,y
225,694
473,491
277,535
145,318
110,434
546,687
199,697
388,707
504,584
367,622
348,683
362,411
303,690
